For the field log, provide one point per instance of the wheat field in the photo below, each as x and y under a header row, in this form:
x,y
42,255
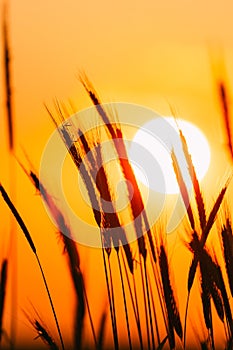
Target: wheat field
x,y
134,286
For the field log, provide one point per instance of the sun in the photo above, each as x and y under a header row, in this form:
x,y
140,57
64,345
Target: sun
x,y
150,153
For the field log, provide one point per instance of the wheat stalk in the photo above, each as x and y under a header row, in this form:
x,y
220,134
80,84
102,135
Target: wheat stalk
x,y
44,335
224,102
183,188
195,182
3,285
33,248
227,244
171,306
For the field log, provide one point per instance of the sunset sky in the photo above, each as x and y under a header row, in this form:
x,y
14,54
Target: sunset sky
x,y
151,53
147,53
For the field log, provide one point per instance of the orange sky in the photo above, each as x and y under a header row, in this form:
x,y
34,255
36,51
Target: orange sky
x,y
149,53
145,53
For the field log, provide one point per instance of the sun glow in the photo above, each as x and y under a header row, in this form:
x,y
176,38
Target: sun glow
x,y
150,153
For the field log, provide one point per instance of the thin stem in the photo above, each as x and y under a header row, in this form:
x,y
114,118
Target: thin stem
x,y
149,307
159,289
90,318
154,312
212,331
112,293
33,248
125,303
51,302
145,303
114,330
13,250
138,316
130,290
134,302
185,319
